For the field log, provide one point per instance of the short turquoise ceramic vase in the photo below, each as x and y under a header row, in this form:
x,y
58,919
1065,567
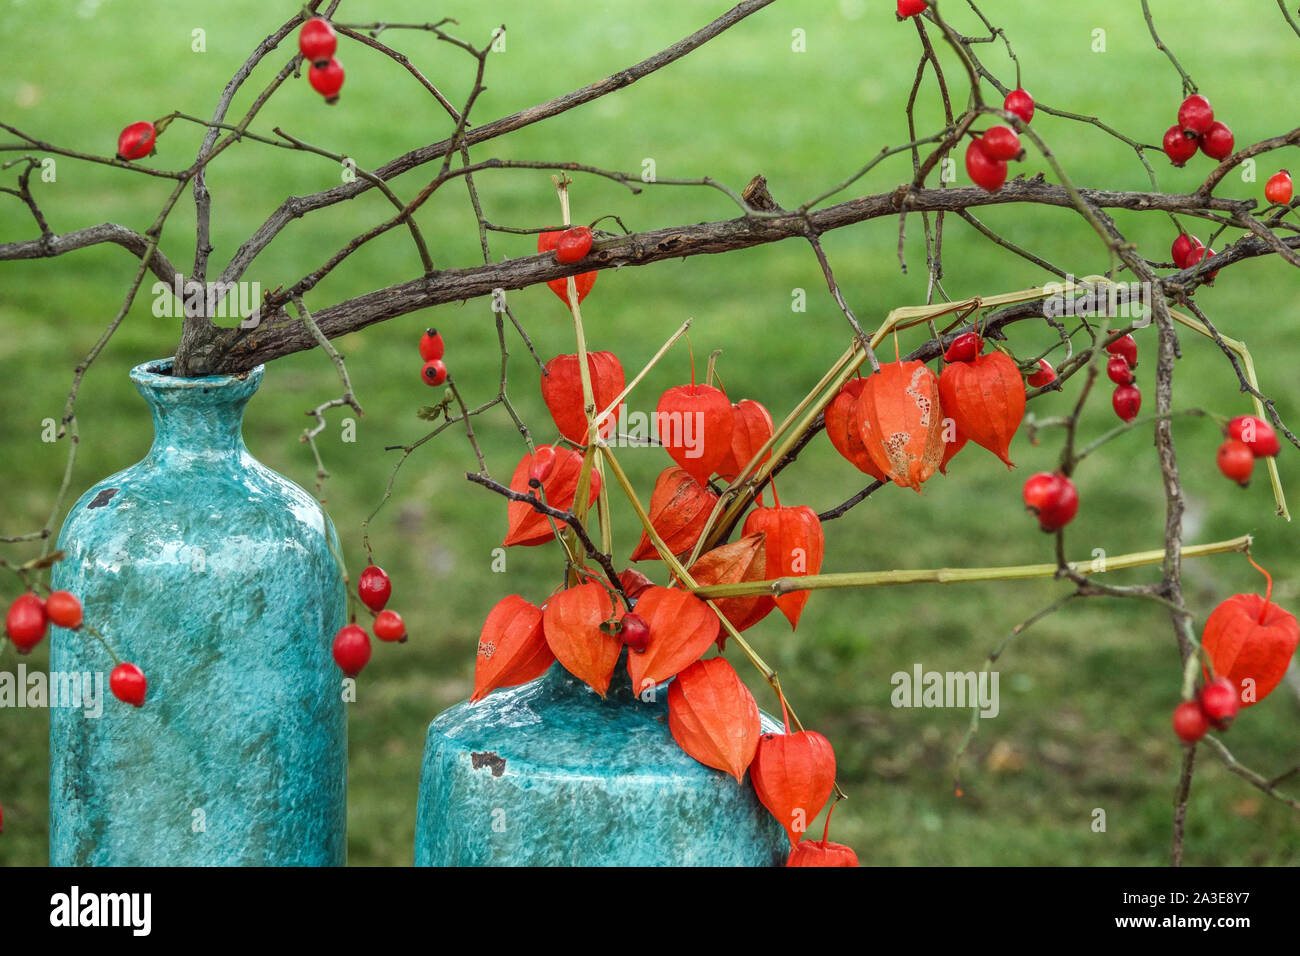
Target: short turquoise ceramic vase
x,y
216,576
550,774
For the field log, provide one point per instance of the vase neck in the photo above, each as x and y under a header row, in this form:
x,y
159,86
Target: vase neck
x,y
195,416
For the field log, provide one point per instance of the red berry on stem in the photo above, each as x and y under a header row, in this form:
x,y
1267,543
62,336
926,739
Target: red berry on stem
x,y
1127,401
64,610
1236,461
1002,142
1256,434
1217,142
434,372
910,8
1278,188
1021,103
1126,346
1195,115
1219,702
26,622
543,464
1196,257
965,348
1190,722
327,80
389,626
351,649
574,245
374,588
983,169
1118,370
1184,248
431,345
1052,497
136,141
1178,146
128,684
316,40
634,632
1045,375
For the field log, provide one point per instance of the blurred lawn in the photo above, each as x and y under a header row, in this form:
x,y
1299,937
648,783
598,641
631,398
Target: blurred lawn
x,y
1085,695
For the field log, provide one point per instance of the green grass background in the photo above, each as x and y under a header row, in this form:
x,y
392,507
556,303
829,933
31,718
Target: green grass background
x,y
1086,694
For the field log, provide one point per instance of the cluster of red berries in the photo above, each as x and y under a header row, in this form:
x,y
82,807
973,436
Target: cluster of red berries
x,y
987,155
1215,706
1052,498
1197,127
29,619
1127,400
1187,251
1248,438
352,643
317,43
432,350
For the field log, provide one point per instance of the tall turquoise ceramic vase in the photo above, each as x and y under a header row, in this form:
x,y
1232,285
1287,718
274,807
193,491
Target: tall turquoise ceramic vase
x,y
215,576
549,774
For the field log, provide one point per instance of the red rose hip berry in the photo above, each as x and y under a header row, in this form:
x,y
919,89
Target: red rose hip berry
x,y
64,610
1002,142
1219,702
1045,375
634,632
1217,142
1127,401
389,626
1052,498
1278,189
983,169
434,372
1020,103
1126,346
1178,146
431,345
374,587
910,8
136,141
26,622
128,684
964,348
351,649
1196,115
1255,433
1118,371
1190,722
574,245
1184,248
1236,461
327,79
316,41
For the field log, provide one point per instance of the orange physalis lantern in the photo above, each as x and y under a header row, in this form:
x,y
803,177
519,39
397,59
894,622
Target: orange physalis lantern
x,y
751,428
679,509
1250,641
841,417
713,716
986,398
742,560
511,647
694,424
525,526
562,392
795,547
901,422
572,623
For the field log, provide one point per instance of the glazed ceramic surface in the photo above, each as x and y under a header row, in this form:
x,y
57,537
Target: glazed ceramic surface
x,y
215,576
549,774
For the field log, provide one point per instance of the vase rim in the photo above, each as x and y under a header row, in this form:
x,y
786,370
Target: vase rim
x,y
156,376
